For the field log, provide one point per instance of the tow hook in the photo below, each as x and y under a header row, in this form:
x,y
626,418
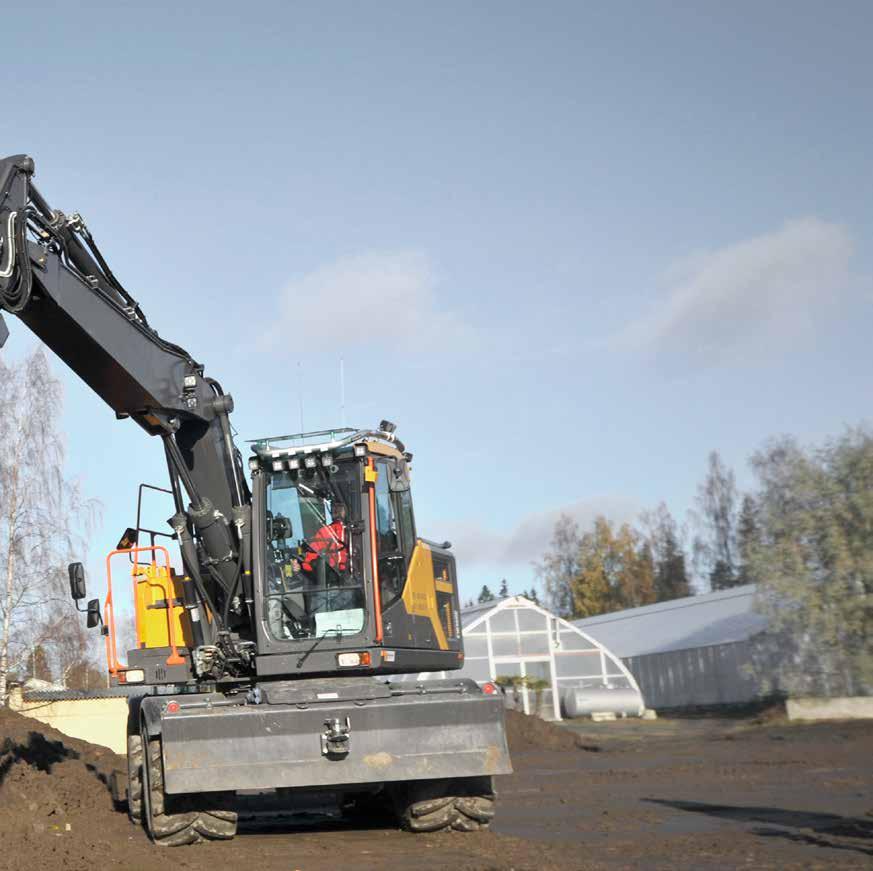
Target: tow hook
x,y
336,737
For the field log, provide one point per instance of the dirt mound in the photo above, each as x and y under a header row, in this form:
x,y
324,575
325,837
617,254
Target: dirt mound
x,y
55,805
526,733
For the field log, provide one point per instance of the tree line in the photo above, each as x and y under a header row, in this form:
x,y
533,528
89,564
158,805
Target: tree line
x,y
610,567
485,594
803,535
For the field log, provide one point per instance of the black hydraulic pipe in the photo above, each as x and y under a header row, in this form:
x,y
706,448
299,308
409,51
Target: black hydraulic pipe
x,y
228,601
212,527
37,199
176,456
242,518
222,405
174,479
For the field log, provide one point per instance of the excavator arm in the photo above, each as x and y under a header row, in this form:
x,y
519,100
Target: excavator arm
x,y
54,279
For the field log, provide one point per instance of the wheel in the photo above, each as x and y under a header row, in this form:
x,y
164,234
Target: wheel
x,y
465,804
134,778
174,821
134,763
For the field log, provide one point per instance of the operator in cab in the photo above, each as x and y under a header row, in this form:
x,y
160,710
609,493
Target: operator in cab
x,y
331,543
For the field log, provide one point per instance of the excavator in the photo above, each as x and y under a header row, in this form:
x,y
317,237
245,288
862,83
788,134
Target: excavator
x,y
290,591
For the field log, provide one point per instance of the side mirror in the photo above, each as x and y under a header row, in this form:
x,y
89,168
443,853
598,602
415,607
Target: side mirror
x,y
129,540
93,619
77,580
398,476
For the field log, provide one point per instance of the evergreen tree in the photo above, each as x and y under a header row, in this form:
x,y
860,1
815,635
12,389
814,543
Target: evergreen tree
x,y
722,577
486,595
671,577
663,538
504,589
636,579
715,545
38,663
748,537
532,595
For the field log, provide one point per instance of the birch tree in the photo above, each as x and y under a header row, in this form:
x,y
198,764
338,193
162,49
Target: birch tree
x,y
560,566
616,570
43,515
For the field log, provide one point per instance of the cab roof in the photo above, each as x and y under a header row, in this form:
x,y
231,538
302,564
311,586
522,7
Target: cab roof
x,y
381,441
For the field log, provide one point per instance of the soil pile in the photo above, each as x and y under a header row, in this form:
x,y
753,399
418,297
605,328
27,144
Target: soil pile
x,y
525,733
56,809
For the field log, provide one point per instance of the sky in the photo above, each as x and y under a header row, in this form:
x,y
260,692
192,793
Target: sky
x,y
569,248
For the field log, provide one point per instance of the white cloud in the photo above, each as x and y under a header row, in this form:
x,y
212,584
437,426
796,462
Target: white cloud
x,y
384,298
756,295
528,540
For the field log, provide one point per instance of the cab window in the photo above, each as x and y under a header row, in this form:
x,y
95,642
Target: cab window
x,y
392,565
406,522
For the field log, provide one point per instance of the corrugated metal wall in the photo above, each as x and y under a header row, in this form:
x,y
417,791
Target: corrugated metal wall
x,y
715,675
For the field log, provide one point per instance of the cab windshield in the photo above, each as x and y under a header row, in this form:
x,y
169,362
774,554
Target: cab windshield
x,y
314,563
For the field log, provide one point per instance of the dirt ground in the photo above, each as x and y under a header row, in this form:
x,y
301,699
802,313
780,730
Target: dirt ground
x,y
672,794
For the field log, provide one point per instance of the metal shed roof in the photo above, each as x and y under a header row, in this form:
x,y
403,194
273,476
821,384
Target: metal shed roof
x,y
695,621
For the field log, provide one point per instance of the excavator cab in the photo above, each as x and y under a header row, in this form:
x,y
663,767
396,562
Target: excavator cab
x,y
342,580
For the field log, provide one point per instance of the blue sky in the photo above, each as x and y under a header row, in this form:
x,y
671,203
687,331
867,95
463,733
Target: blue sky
x,y
570,248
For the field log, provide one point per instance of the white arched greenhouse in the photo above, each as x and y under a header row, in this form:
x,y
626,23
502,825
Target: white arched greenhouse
x,y
513,637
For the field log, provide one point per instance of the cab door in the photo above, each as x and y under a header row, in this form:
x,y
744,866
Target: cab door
x,y
416,579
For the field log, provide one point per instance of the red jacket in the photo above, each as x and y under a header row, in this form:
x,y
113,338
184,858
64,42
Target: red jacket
x,y
330,540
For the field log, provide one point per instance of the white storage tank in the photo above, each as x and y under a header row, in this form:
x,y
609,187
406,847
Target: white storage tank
x,y
585,701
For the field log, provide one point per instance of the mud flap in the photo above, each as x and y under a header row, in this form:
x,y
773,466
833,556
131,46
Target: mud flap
x,y
406,736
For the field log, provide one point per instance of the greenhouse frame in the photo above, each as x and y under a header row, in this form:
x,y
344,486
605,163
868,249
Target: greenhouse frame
x,y
513,637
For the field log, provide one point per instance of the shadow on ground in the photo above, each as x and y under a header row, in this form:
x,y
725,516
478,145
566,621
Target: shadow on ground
x,y
826,827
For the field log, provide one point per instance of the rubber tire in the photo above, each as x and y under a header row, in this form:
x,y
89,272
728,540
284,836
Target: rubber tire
x,y
176,821
134,778
463,805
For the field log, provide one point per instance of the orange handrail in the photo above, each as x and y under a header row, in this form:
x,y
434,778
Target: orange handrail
x,y
109,608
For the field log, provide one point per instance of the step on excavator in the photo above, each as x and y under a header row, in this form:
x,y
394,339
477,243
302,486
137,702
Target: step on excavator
x,y
289,593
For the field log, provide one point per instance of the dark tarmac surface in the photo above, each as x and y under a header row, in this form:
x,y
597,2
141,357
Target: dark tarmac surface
x,y
702,794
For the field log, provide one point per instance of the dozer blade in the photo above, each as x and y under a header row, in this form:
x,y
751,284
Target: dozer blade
x,y
452,730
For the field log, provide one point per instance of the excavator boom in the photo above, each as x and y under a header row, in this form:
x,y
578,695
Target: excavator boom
x,y
55,280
